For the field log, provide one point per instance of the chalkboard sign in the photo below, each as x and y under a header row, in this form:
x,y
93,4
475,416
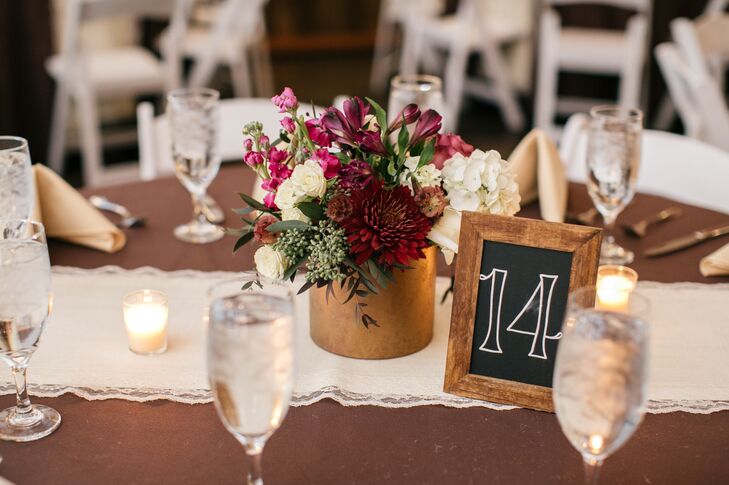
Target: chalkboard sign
x,y
513,277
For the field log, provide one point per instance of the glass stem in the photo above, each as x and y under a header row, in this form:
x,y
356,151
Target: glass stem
x,y
592,471
197,207
22,406
254,450
609,220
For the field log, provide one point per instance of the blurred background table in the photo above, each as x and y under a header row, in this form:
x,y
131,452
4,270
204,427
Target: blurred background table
x,y
117,441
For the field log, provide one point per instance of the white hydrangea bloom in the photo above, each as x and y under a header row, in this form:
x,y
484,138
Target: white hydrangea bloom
x,y
426,176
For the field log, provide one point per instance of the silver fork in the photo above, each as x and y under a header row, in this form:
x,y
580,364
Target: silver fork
x,y
127,220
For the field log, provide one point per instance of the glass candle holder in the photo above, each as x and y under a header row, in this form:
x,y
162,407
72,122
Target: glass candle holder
x,y
614,285
145,319
424,90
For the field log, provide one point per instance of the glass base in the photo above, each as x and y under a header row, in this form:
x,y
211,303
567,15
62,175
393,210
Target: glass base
x,y
38,423
198,232
612,253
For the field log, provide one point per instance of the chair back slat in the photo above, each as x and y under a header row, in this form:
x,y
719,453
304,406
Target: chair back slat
x,y
642,6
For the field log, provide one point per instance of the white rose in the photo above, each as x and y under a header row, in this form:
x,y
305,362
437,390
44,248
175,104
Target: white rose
x,y
309,179
287,195
446,231
294,214
270,263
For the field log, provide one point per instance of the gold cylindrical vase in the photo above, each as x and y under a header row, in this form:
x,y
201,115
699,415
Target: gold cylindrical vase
x,y
403,312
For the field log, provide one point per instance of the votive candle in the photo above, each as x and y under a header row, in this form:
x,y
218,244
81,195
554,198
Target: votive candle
x,y
145,318
614,285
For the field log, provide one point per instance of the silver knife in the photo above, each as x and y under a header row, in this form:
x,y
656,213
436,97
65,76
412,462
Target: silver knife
x,y
683,242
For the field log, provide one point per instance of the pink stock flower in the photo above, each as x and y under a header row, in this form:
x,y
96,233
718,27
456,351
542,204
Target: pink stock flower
x,y
286,101
329,163
277,156
448,145
269,200
288,124
271,185
317,134
253,159
263,140
279,171
248,144
428,125
260,233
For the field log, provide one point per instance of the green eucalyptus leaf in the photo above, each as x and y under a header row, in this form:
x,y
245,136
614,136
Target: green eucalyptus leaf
x,y
253,202
244,210
312,210
243,240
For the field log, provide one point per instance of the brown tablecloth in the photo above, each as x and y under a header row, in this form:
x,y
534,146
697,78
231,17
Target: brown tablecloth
x,y
162,442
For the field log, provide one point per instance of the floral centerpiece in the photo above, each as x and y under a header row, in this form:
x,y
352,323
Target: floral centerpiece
x,y
353,200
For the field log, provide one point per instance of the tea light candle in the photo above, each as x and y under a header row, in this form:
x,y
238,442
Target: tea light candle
x,y
614,285
145,318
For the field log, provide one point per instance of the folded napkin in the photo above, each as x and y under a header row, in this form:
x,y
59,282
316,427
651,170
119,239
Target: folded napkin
x,y
717,263
67,215
541,173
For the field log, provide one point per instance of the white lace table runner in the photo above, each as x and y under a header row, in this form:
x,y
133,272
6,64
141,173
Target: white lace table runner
x,y
84,349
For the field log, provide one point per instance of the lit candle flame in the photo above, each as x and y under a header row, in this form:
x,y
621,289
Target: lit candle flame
x,y
595,443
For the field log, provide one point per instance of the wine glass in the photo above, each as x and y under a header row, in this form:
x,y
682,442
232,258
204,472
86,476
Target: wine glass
x,y
613,158
193,116
16,179
251,363
424,90
25,302
600,375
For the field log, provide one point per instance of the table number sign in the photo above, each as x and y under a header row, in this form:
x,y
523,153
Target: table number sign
x,y
513,277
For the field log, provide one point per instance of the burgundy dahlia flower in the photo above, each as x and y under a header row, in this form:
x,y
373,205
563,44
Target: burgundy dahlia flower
x,y
386,225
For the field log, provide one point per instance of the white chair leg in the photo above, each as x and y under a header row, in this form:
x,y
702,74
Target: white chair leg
x,y
666,114
241,76
503,87
384,38
454,78
547,73
59,122
262,69
632,71
90,129
411,49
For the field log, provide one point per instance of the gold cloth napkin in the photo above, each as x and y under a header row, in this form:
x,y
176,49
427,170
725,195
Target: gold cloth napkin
x,y
67,215
717,263
540,173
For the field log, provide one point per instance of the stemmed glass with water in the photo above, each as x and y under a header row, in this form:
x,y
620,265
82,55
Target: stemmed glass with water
x,y
193,117
25,303
613,158
251,362
600,375
16,179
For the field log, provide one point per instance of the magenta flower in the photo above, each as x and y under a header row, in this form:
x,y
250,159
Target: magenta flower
x,y
263,140
356,175
329,163
248,144
286,101
428,125
269,200
317,134
411,113
253,159
277,156
279,171
448,145
371,142
288,124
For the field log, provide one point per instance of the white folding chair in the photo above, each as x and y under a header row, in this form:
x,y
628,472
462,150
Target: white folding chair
x,y
87,78
234,35
696,95
673,166
589,51
472,30
394,13
704,43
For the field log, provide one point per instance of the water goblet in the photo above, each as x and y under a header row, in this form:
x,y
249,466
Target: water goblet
x,y
25,302
16,179
600,374
193,117
424,90
613,158
251,364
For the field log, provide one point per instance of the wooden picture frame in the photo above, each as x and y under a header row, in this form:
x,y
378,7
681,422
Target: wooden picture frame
x,y
477,229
